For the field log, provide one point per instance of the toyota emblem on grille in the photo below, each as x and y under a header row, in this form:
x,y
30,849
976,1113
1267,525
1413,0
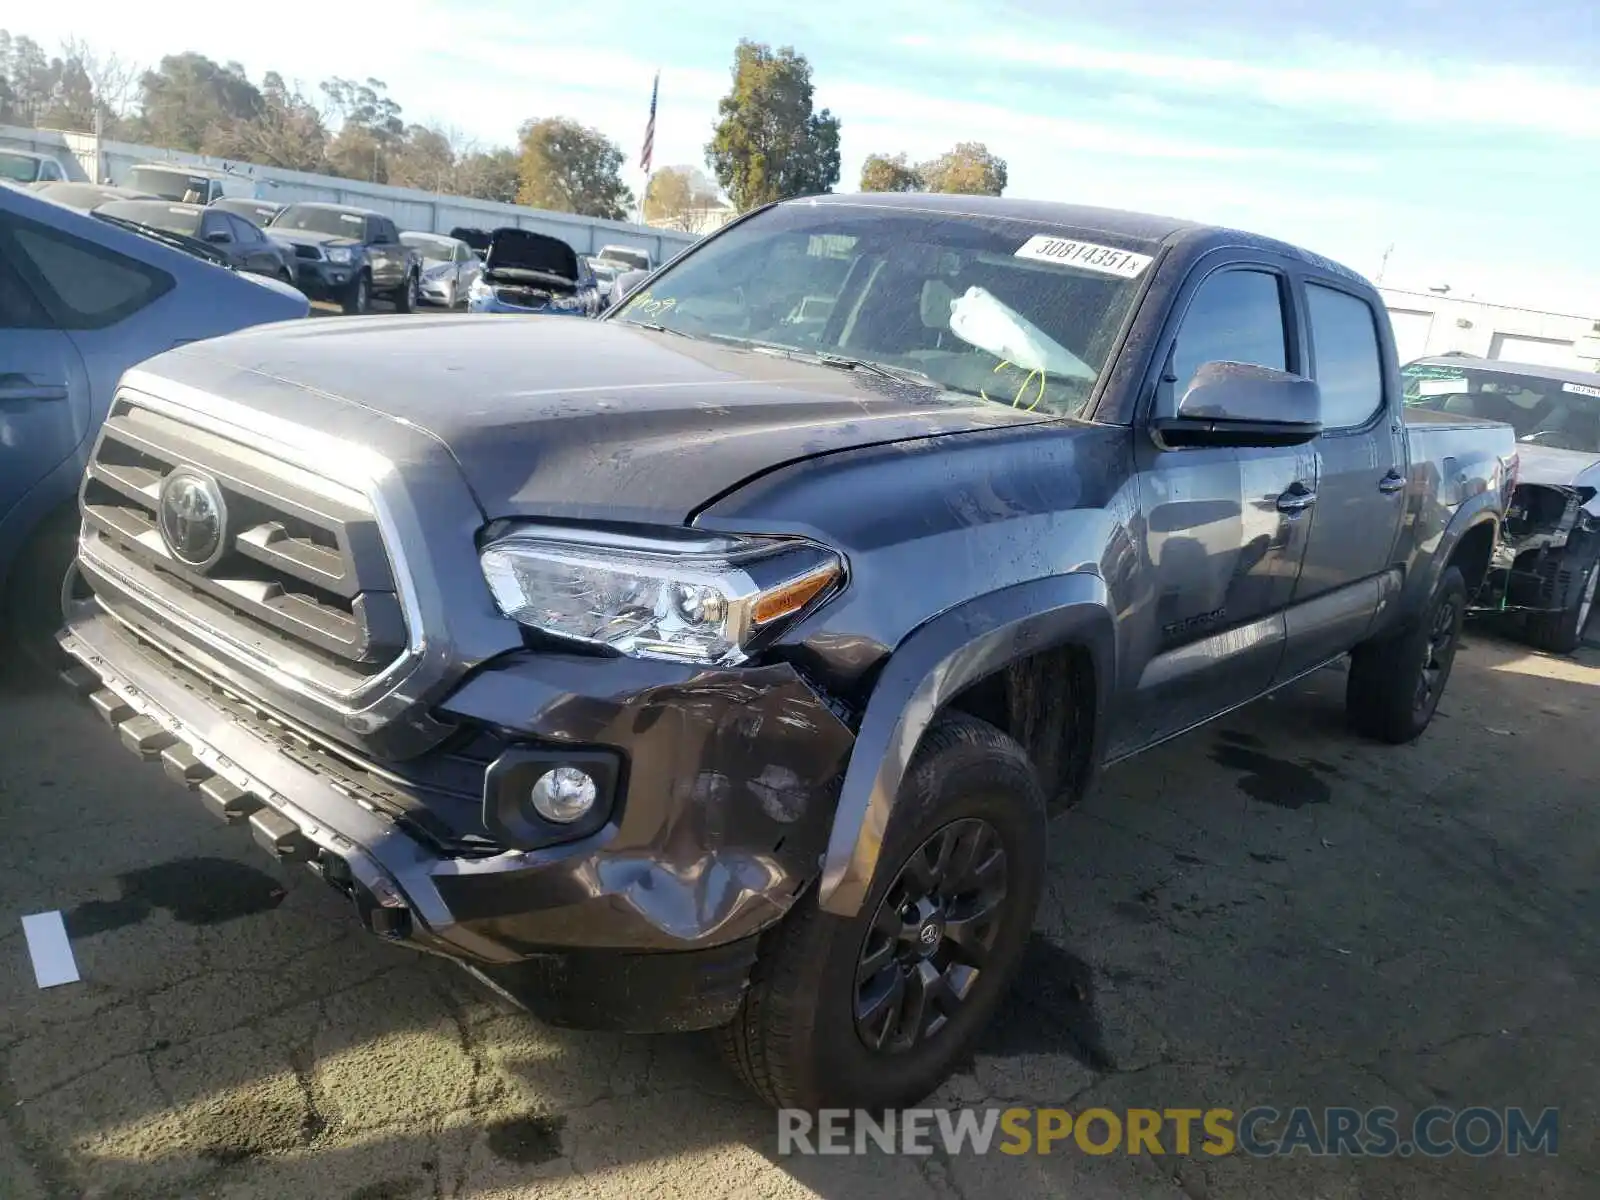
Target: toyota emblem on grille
x,y
193,518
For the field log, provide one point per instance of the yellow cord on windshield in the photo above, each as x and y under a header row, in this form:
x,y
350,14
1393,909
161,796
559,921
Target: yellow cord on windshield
x,y
1016,401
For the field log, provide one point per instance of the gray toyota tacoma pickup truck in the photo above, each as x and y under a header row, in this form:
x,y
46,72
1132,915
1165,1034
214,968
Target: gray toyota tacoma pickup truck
x,y
717,664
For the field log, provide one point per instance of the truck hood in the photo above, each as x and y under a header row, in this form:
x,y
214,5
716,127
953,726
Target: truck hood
x,y
562,418
1552,466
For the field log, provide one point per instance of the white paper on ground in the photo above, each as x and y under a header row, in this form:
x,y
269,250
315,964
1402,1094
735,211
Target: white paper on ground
x,y
49,948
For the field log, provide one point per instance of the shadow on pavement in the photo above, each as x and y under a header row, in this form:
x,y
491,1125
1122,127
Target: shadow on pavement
x,y
1267,911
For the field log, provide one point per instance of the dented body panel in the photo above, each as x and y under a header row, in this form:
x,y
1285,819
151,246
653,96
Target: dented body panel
x,y
1072,578
1545,561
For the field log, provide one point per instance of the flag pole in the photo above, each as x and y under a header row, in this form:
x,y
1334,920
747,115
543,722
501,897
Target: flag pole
x,y
647,154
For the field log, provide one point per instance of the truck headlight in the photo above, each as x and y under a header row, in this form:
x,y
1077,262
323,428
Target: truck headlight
x,y
479,290
706,600
343,255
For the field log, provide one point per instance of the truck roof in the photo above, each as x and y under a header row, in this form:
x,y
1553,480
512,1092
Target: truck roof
x,y
346,208
182,169
1471,362
1118,222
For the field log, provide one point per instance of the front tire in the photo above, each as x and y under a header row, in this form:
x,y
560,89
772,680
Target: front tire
x,y
33,608
1563,631
876,1010
358,300
1395,682
406,299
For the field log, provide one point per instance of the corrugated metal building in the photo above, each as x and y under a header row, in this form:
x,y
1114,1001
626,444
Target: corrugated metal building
x,y
1430,323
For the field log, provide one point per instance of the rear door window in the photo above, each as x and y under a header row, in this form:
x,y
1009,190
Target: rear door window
x,y
215,223
244,233
87,285
1344,345
1235,316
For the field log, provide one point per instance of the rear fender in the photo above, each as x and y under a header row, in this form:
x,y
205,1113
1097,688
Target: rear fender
x,y
932,666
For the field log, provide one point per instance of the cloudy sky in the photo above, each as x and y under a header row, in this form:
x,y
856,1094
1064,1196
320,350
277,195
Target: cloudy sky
x,y
1466,135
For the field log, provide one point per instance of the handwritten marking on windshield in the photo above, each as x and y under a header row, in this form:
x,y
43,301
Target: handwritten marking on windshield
x,y
648,305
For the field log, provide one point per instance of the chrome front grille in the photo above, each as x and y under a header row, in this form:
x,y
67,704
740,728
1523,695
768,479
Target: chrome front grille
x,y
301,577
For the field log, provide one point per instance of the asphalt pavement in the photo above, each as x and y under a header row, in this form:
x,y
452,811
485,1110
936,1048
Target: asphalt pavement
x,y
1265,912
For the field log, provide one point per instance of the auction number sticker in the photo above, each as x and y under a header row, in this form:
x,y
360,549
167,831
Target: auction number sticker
x,y
1069,252
1580,389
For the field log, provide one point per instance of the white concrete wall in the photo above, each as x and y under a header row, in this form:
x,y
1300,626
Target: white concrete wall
x,y
1427,323
410,208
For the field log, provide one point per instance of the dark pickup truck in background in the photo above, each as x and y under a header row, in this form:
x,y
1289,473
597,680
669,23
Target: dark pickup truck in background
x,y
716,664
349,255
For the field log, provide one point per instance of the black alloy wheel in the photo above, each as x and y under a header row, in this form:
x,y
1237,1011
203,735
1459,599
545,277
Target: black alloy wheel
x,y
1439,651
931,936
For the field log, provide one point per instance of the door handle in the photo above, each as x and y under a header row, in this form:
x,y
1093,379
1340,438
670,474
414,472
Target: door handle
x,y
20,387
1391,483
1297,499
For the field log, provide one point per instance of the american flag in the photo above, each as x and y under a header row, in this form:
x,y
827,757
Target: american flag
x,y
650,129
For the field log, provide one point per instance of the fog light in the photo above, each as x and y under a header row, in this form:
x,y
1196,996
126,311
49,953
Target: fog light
x,y
564,794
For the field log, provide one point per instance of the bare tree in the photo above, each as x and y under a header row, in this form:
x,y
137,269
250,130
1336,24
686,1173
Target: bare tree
x,y
115,82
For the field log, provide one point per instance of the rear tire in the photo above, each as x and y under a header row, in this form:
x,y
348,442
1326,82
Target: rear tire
x,y
33,610
1563,631
1396,681
822,983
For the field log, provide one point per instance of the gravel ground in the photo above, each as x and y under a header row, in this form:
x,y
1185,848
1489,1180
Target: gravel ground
x,y
1264,912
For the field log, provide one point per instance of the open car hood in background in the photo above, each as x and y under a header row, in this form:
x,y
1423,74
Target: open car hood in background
x,y
522,250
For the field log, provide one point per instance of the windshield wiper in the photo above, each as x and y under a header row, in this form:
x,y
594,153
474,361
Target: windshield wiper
x,y
823,358
872,367
657,327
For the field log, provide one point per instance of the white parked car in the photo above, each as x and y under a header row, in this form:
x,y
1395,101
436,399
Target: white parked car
x,y
449,268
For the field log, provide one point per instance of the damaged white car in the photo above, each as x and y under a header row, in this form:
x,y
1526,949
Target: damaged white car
x,y
1547,564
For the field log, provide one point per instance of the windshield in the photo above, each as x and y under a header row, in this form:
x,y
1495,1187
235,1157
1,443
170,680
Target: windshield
x,y
960,300
257,212
1543,411
169,185
432,249
167,238
635,260
23,168
315,219
170,217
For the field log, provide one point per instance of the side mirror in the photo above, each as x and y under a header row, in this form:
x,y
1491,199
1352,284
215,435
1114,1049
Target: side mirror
x,y
220,236
1240,404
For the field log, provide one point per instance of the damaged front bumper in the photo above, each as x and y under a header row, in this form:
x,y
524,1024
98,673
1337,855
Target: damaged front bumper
x,y
1547,530
721,809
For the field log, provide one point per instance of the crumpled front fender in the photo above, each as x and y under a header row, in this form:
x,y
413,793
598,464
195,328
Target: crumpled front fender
x,y
933,665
